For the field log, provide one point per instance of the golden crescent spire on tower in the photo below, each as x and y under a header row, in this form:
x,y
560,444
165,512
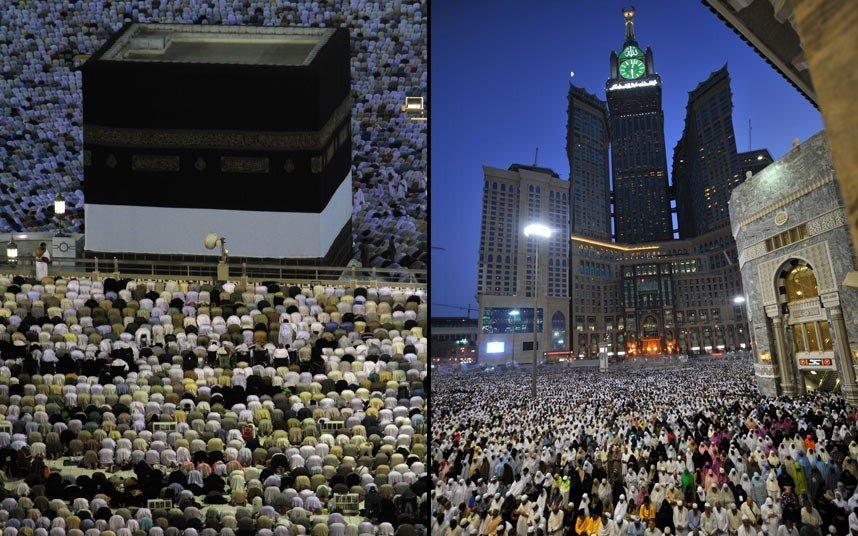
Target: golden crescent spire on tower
x,y
629,16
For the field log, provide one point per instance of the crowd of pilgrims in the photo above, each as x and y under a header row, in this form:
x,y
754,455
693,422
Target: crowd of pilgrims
x,y
689,450
41,139
282,399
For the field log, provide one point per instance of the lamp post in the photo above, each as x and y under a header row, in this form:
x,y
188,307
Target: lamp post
x,y
536,231
740,301
211,241
12,251
514,314
59,212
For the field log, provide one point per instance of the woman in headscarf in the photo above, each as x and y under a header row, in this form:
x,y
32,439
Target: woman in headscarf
x,y
657,496
686,480
605,495
758,489
621,509
795,471
831,513
770,515
790,506
745,484
195,482
664,516
773,489
710,478
646,511
724,496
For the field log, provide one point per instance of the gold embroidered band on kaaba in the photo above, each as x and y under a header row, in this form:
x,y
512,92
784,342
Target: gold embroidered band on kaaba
x,y
217,139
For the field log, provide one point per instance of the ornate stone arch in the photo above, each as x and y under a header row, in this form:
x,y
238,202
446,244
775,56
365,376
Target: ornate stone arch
x,y
780,276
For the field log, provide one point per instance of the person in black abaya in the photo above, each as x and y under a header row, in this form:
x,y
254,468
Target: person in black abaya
x,y
37,473
387,511
154,483
214,483
664,517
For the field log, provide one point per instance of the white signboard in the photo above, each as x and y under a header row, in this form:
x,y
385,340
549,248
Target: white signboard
x,y
495,347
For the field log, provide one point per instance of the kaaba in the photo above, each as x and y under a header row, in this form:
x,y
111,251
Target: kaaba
x,y
237,130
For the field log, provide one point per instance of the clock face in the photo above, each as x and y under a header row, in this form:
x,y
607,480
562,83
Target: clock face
x,y
632,69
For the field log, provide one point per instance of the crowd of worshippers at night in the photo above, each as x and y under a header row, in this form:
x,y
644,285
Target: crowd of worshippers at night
x,y
685,449
257,409
41,137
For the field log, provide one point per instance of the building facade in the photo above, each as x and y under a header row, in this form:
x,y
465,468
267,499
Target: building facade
x,y
452,338
795,251
675,296
587,143
706,164
754,161
641,195
507,278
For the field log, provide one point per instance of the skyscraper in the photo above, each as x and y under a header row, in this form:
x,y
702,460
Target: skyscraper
x,y
587,149
754,161
509,279
705,163
641,193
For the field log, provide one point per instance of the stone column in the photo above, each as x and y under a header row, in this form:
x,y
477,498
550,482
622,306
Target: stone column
x,y
843,361
788,380
789,344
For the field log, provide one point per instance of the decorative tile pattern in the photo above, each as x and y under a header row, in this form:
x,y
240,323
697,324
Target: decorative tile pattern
x,y
806,310
786,200
826,222
816,226
754,252
764,371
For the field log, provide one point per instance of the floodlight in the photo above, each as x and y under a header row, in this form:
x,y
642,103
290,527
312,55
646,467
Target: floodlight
x,y
538,230
211,241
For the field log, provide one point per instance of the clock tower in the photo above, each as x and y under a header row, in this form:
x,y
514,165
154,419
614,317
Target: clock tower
x,y
639,165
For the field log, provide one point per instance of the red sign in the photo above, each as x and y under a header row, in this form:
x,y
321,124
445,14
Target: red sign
x,y
816,362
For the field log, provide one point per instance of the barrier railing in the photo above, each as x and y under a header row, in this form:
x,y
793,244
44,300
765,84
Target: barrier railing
x,y
244,271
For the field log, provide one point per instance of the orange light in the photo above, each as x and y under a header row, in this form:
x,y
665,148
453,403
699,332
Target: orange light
x,y
611,245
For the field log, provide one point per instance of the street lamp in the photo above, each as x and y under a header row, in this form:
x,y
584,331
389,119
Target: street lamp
x,y
740,301
59,212
536,231
59,205
12,250
211,241
514,314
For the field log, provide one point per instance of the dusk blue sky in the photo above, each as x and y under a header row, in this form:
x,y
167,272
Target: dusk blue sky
x,y
499,81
